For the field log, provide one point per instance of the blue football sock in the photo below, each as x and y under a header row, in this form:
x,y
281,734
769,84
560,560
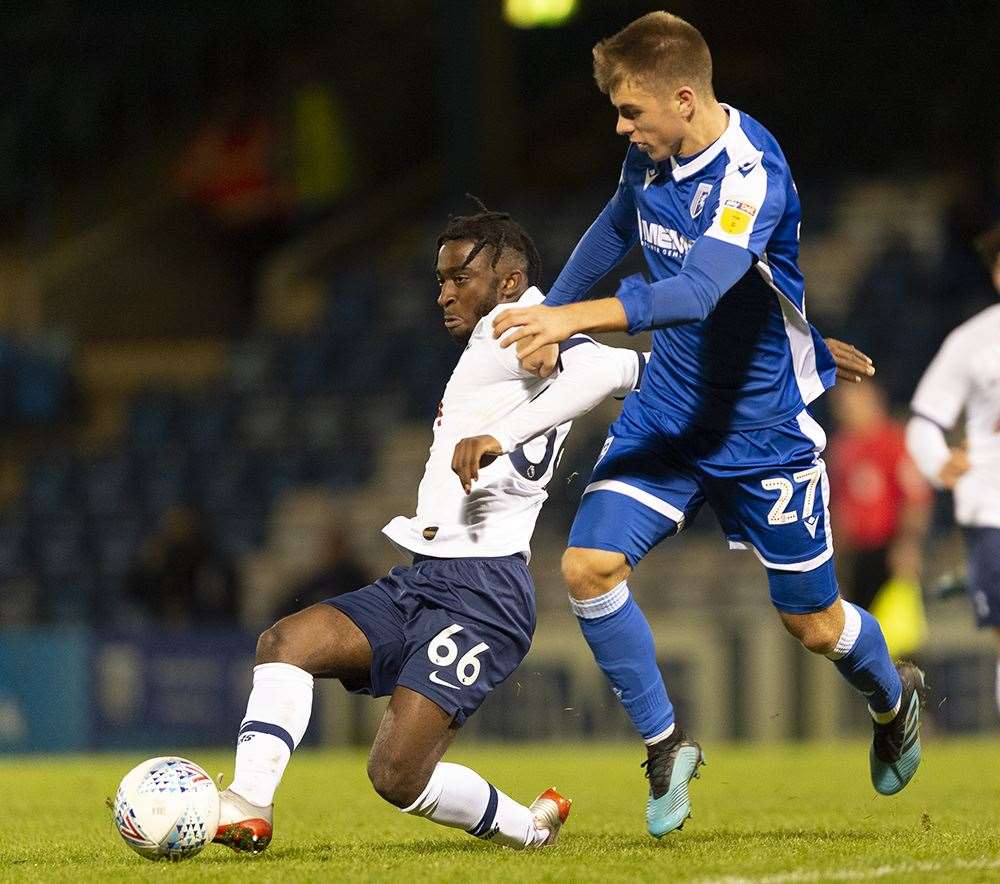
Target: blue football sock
x,y
620,638
863,659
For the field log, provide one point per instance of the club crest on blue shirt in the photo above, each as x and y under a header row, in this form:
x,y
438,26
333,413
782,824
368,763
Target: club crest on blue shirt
x,y
700,198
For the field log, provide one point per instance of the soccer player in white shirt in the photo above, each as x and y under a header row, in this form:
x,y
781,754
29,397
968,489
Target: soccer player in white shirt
x,y
437,636
965,377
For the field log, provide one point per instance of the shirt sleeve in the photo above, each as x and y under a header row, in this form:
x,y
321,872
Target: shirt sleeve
x,y
589,373
927,446
710,270
751,203
945,386
607,241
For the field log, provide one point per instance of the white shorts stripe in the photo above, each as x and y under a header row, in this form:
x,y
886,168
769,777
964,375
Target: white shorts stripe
x,y
644,497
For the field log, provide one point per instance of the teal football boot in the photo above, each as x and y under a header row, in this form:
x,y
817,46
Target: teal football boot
x,y
670,767
895,750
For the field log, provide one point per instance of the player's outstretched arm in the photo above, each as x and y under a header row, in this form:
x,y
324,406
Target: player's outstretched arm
x,y
852,365
537,327
591,372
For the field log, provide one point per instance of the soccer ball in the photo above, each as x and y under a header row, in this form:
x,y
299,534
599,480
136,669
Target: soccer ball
x,y
167,808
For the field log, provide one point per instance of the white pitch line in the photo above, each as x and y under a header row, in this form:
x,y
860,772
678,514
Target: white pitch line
x,y
799,876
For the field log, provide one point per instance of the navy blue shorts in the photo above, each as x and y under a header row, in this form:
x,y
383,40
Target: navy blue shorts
x,y
982,547
449,629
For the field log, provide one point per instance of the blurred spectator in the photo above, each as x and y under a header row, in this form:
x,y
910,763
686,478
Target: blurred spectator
x,y
337,572
881,504
179,578
231,172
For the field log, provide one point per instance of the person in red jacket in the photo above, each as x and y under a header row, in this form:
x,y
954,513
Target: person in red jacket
x,y
882,503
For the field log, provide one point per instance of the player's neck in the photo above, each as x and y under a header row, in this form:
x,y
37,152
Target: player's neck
x,y
707,126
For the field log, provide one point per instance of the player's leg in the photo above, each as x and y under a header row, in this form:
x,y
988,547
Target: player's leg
x,y
778,506
319,641
405,768
982,546
634,499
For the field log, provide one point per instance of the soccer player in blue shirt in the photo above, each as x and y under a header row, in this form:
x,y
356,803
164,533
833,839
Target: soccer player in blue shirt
x,y
722,414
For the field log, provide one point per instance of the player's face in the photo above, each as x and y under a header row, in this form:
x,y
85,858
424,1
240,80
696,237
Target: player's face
x,y
654,124
467,293
996,273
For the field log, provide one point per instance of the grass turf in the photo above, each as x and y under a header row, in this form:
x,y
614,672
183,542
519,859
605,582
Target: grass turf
x,y
774,813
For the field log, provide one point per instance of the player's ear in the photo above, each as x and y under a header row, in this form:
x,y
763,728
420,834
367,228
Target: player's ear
x,y
684,101
513,285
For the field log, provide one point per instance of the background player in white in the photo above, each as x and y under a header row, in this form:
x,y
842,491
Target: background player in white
x,y
722,416
965,377
440,635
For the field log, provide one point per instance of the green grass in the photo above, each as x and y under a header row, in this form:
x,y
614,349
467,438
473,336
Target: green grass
x,y
780,814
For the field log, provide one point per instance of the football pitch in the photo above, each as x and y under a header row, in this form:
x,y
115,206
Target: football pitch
x,y
795,813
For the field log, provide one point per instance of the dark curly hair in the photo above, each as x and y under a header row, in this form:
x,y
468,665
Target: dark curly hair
x,y
498,231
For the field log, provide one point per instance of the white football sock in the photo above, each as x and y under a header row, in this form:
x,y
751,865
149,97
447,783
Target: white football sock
x,y
277,716
458,797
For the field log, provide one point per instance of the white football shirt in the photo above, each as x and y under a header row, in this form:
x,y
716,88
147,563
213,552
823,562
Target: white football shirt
x,y
965,375
489,393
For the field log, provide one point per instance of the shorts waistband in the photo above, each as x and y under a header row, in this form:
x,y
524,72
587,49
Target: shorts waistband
x,y
417,558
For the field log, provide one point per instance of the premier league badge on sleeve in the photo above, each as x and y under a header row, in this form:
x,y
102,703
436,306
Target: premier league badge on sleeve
x,y
700,198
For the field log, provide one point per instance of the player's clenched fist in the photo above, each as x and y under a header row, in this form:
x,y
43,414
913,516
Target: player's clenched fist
x,y
472,453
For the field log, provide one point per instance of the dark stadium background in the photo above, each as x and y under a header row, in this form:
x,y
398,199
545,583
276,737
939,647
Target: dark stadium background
x,y
215,388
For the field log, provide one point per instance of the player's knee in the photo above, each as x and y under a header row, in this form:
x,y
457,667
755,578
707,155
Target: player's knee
x,y
395,781
276,644
592,572
815,632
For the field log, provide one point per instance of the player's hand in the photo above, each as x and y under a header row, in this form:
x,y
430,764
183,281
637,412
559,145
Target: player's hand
x,y
534,327
852,365
472,453
542,362
956,466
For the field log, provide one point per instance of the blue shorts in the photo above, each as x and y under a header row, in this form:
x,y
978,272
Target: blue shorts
x,y
768,488
982,547
449,629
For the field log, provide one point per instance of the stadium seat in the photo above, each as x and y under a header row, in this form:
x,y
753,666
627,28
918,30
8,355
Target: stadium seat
x,y
151,420
207,422
264,422
107,484
51,484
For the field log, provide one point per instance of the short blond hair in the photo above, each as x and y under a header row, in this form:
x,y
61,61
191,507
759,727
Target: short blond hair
x,y
658,49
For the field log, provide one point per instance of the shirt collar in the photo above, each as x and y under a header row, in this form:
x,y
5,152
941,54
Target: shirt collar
x,y
680,171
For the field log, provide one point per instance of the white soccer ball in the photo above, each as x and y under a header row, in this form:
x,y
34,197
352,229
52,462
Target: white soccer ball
x,y
167,808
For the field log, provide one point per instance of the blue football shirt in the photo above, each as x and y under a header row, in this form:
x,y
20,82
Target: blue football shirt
x,y
755,361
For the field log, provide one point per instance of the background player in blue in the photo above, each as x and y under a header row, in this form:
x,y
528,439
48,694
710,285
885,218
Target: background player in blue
x,y
721,415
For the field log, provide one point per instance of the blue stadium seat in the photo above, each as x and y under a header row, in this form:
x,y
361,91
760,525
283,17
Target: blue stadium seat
x,y
237,534
251,365
51,484
265,422
70,597
207,423
307,365
107,484
225,483
60,544
165,479
279,471
116,542
43,379
151,420
13,547
320,422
